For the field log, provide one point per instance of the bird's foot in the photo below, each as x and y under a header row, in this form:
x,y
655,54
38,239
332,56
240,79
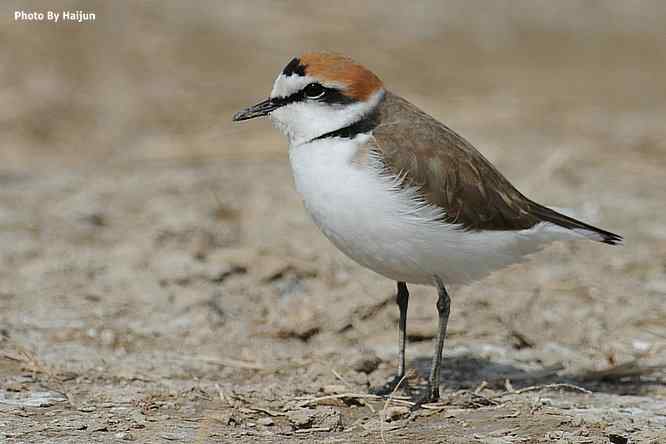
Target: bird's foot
x,y
389,387
429,396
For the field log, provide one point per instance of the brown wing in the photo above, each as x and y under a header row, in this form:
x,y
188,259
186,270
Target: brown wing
x,y
453,175
448,170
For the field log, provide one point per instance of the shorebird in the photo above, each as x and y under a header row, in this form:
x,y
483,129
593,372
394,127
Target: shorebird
x,y
398,191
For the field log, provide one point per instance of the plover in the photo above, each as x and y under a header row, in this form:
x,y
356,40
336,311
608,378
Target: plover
x,y
398,191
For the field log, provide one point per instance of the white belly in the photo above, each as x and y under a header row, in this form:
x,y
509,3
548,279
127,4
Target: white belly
x,y
386,230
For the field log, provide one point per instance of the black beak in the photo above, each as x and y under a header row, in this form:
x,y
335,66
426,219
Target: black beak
x,y
259,110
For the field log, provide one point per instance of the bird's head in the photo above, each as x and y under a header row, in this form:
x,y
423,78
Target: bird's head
x,y
317,93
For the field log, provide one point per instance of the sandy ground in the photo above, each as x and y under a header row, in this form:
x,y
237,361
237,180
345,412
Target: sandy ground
x,y
161,282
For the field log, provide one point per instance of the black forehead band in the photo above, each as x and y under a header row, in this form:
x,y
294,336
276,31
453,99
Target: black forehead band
x,y
294,67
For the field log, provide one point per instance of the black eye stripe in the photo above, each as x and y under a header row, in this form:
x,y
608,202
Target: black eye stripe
x,y
330,96
335,96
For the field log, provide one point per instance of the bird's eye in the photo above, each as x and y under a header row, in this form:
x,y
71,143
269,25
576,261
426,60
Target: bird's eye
x,y
314,91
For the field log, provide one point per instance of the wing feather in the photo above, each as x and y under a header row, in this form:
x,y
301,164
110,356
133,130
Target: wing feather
x,y
452,175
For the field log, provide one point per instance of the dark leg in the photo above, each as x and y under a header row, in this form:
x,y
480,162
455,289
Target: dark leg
x,y
443,309
402,299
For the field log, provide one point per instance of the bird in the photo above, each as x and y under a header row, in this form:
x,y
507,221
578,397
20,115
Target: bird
x,y
401,193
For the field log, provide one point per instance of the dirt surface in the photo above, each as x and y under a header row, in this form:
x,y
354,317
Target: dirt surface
x,y
161,282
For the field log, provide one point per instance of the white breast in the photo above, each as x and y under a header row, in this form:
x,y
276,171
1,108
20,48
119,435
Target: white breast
x,y
387,229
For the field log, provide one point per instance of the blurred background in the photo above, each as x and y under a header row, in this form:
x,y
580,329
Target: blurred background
x,y
144,237
157,79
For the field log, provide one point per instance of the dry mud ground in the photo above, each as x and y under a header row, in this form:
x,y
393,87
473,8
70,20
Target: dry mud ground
x,y
198,304
161,282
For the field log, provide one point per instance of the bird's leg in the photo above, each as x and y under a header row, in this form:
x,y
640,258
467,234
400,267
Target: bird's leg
x,y
402,299
443,309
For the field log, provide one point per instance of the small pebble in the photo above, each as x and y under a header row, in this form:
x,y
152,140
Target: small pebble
x,y
395,412
266,421
126,436
334,389
366,363
301,417
616,438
